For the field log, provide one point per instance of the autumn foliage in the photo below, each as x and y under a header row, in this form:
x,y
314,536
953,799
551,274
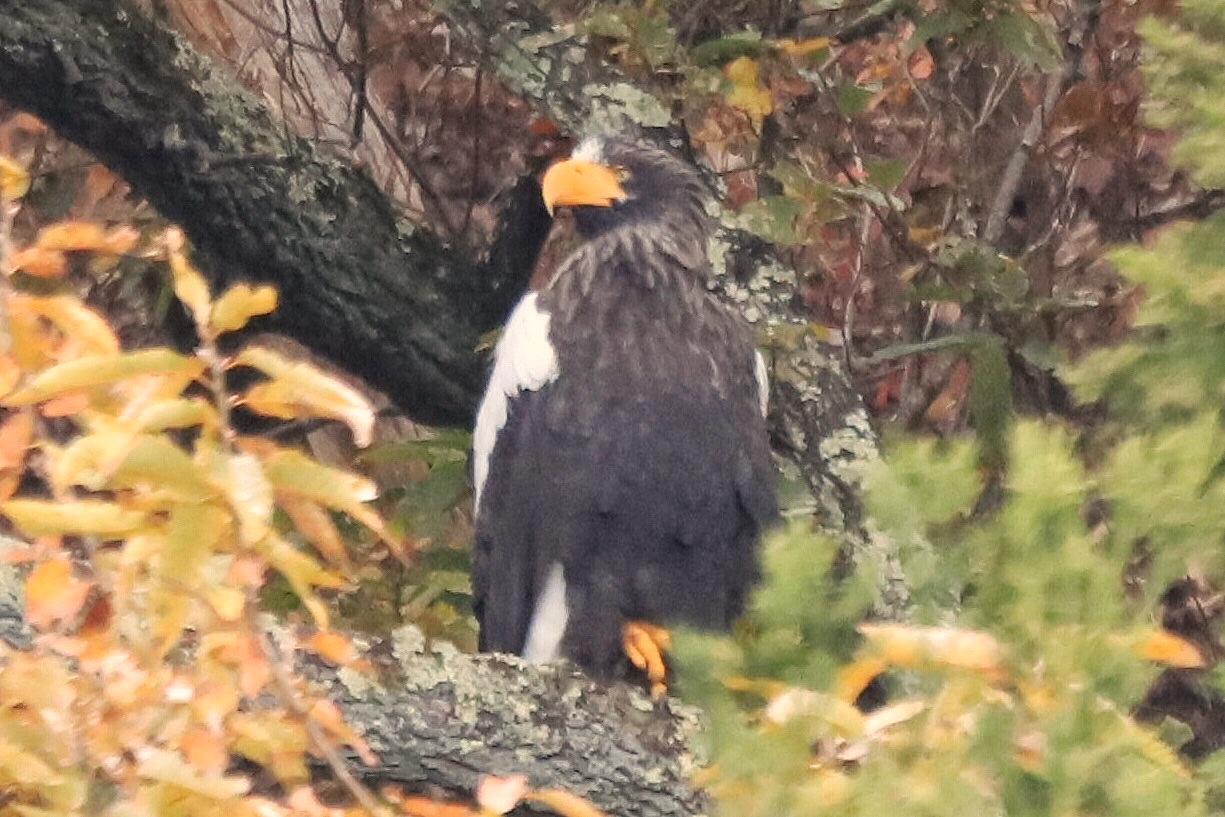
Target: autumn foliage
x,y
151,527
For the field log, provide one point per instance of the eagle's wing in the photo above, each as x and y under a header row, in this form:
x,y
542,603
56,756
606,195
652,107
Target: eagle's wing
x,y
524,361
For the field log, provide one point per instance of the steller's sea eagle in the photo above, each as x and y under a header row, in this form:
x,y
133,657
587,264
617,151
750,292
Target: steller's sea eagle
x,y
621,464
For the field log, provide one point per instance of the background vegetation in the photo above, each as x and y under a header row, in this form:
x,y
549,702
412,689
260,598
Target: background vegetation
x,y
1002,219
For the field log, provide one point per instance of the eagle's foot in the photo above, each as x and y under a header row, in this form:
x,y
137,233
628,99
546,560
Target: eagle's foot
x,y
645,643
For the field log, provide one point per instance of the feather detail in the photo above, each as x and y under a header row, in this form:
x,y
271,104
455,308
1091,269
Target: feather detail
x,y
524,360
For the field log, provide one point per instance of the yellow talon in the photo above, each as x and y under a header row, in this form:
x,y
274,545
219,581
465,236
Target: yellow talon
x,y
644,645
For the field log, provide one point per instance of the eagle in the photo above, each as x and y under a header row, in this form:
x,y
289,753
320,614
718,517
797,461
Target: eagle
x,y
621,464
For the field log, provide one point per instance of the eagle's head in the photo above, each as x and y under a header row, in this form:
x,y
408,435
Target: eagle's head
x,y
614,182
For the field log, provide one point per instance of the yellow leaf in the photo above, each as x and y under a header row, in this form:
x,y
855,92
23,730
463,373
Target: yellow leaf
x,y
14,180
747,93
272,742
192,535
913,647
294,472
316,525
98,370
854,678
227,602
169,767
297,388
16,764
802,48
89,460
168,611
119,459
250,494
70,316
37,517
303,573
177,412
155,463
239,304
190,288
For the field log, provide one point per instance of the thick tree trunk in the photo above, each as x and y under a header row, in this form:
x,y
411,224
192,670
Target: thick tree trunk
x,y
379,297
389,302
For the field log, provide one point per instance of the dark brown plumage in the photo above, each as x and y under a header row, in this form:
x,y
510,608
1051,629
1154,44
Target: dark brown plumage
x,y
621,461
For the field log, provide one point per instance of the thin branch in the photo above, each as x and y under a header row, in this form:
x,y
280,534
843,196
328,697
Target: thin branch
x,y
1010,179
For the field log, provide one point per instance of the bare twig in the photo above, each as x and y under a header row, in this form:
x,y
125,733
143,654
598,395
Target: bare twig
x,y
1010,179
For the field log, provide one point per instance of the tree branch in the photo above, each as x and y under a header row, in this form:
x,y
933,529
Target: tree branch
x,y
439,718
376,295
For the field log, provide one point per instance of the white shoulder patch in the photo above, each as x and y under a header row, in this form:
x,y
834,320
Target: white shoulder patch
x,y
549,619
763,382
524,360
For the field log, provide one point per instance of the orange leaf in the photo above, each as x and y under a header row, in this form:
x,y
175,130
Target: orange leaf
x,y
15,436
98,184
332,646
247,570
65,405
40,262
253,669
71,317
204,750
418,805
920,63
71,236
565,803
212,703
1165,647
10,373
53,593
313,522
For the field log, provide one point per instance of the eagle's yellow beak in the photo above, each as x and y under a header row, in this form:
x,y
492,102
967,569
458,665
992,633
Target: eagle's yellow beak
x,y
579,181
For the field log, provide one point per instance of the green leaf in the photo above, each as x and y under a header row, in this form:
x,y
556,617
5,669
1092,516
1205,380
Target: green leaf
x,y
724,49
771,217
87,516
990,402
853,99
100,370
